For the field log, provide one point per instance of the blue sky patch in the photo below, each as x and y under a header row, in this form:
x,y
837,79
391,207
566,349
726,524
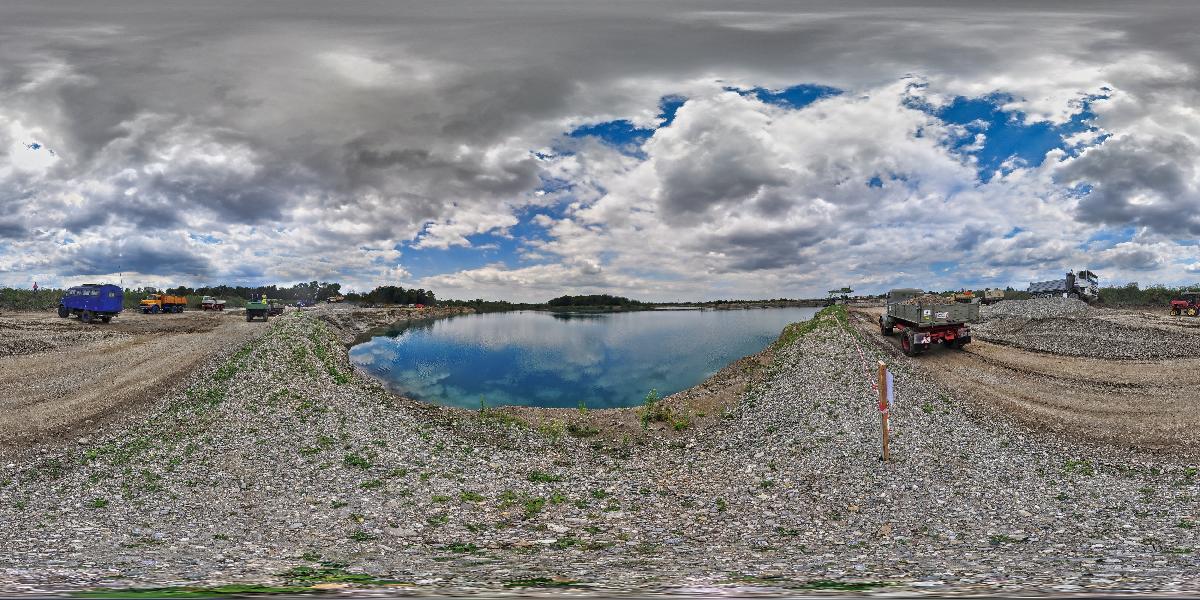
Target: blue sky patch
x,y
668,106
620,133
797,96
485,249
1007,134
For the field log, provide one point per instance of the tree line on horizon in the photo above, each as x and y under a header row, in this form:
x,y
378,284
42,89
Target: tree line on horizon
x,y
314,291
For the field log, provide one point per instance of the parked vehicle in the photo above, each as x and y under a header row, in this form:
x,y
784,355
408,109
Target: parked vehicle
x,y
210,303
156,303
275,306
335,299
257,308
924,319
1084,285
92,301
1188,304
991,296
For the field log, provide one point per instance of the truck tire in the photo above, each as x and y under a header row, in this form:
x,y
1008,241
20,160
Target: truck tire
x,y
1191,312
265,317
106,318
886,329
906,343
86,316
154,309
64,312
1174,312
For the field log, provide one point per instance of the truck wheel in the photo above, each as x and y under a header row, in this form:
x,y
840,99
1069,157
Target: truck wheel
x,y
1174,312
265,317
64,312
106,318
154,309
907,345
86,316
886,330
1191,312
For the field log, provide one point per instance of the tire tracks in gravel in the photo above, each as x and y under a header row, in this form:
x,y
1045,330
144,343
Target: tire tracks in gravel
x,y
71,389
1147,405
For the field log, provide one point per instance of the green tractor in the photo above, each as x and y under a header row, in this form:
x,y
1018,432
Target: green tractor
x,y
257,308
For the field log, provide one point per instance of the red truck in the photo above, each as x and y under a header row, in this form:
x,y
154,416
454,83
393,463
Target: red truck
x,y
1188,304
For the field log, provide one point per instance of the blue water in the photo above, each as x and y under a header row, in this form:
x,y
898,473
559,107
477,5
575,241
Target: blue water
x,y
545,359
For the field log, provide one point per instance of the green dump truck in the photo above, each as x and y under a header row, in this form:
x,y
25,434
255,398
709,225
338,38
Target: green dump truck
x,y
925,319
256,308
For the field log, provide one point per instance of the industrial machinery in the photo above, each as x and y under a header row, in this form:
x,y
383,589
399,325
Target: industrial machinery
x,y
156,303
991,296
1084,285
925,319
92,301
256,308
210,303
1188,304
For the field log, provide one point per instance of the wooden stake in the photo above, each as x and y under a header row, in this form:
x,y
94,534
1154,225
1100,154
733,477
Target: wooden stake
x,y
883,408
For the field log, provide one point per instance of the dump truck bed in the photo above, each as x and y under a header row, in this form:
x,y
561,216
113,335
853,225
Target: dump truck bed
x,y
948,313
914,307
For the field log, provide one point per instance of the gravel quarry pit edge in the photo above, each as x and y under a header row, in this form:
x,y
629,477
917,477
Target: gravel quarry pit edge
x,y
281,465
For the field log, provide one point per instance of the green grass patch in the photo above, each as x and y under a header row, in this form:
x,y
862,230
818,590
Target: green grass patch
x,y
541,582
354,460
189,591
540,477
330,573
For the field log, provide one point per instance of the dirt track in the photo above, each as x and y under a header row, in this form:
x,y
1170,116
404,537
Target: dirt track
x,y
1144,404
60,376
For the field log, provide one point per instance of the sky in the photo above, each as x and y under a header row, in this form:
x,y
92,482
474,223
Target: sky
x,y
657,149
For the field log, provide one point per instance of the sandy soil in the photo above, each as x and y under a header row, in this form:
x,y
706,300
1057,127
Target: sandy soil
x,y
1143,404
61,377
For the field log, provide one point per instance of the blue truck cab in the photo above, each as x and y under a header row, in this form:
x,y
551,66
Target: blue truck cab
x,y
92,301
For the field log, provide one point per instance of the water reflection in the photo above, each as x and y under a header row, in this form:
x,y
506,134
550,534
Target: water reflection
x,y
562,359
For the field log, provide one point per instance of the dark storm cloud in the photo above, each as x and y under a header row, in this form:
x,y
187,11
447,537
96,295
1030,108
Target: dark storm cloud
x,y
1132,259
145,255
1140,182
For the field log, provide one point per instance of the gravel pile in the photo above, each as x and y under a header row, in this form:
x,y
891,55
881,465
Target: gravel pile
x,y
1036,308
281,465
1071,327
925,299
19,337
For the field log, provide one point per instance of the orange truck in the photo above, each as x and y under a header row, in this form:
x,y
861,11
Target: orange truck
x,y
156,303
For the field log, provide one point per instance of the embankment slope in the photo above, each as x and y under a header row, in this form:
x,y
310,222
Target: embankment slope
x,y
282,465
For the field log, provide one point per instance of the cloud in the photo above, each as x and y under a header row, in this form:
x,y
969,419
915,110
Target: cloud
x,y
300,139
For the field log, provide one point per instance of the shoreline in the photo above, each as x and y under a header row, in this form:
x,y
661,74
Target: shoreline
x,y
693,408
281,466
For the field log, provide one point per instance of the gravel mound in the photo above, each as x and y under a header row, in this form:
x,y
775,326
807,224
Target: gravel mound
x,y
926,299
1036,308
280,463
1071,327
19,337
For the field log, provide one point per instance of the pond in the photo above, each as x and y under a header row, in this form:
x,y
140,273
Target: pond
x,y
536,358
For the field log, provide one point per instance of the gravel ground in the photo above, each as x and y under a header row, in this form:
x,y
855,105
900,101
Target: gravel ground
x,y
61,376
1070,327
282,465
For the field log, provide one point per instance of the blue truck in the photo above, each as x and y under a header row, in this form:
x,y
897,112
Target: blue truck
x,y
92,301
